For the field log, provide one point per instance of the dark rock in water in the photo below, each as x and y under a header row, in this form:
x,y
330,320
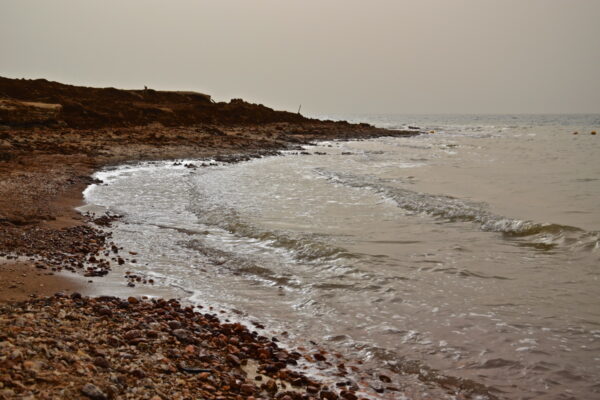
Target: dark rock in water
x,y
233,360
327,395
312,389
271,386
247,389
348,395
377,387
93,392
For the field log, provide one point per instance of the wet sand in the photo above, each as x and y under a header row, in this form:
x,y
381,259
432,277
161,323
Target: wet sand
x,y
22,281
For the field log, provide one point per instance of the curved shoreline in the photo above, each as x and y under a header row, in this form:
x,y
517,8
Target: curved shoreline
x,y
44,168
418,372
44,173
50,237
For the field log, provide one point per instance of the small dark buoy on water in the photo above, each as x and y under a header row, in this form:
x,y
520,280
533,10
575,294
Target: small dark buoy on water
x,y
593,132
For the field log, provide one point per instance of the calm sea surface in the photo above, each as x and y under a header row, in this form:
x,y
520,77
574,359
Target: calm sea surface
x,y
473,250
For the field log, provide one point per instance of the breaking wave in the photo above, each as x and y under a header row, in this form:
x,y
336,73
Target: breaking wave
x,y
302,247
453,209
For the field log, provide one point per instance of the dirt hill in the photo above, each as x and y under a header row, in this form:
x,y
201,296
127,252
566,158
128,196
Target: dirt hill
x,y
39,102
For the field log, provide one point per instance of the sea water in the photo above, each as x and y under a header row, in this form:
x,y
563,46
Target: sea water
x,y
472,249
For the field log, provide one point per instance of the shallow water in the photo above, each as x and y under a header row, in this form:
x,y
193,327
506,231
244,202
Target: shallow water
x,y
474,249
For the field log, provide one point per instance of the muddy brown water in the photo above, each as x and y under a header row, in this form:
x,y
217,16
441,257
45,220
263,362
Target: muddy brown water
x,y
473,250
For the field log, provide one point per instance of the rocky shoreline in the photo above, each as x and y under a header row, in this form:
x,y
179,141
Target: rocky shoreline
x,y
45,170
105,348
66,345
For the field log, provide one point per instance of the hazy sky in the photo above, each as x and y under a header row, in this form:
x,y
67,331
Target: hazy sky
x,y
332,56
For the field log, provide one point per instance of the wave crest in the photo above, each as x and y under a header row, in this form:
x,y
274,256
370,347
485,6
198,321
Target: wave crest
x,y
457,210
